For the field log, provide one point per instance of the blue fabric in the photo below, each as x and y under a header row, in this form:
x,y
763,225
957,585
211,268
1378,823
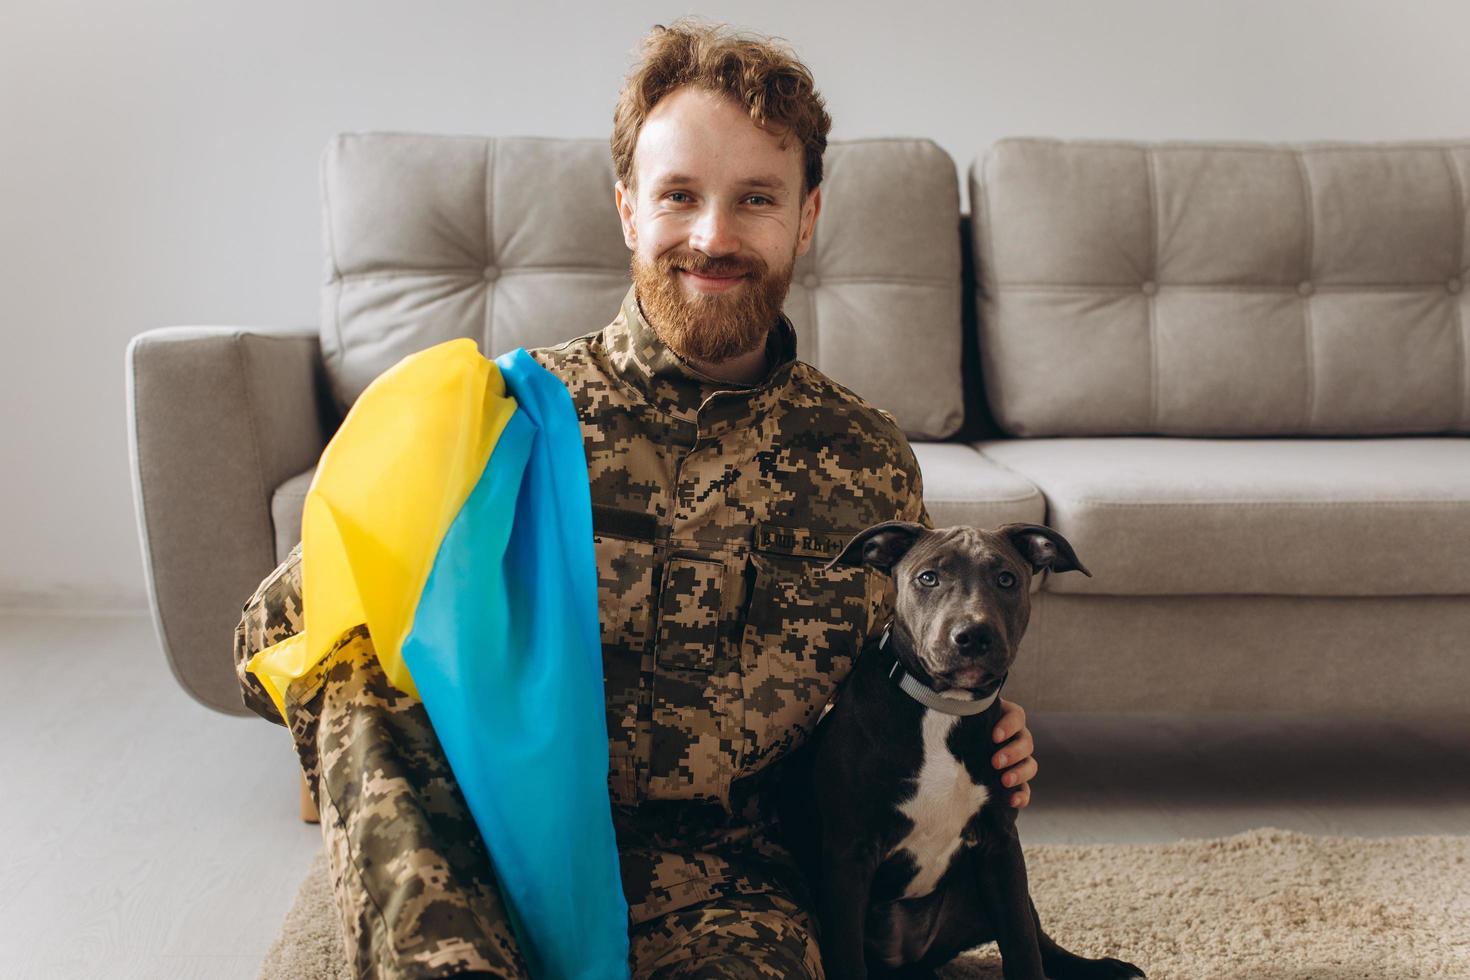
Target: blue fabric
x,y
506,653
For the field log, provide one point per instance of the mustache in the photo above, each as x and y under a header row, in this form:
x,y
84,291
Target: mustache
x,y
705,266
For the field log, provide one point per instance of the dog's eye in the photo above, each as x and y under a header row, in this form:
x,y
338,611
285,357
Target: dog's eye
x,y
928,577
1006,580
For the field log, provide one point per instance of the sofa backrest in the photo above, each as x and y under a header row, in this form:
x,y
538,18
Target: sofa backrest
x,y
516,243
1224,289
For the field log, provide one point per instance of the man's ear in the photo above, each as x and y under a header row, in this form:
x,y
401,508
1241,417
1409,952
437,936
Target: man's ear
x,y
1043,547
624,201
810,208
881,545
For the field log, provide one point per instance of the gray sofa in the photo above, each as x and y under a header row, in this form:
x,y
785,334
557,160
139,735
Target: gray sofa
x,y
1236,377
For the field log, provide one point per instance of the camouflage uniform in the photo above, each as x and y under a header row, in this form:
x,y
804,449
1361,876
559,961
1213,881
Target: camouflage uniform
x,y
714,506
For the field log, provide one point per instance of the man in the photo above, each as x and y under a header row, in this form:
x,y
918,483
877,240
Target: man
x,y
724,473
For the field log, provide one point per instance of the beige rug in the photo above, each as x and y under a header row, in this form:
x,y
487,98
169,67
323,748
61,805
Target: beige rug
x,y
1267,904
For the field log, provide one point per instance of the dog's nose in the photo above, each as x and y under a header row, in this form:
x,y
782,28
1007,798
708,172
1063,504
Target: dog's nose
x,y
974,639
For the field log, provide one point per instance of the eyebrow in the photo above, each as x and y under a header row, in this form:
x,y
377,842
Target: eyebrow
x,y
765,181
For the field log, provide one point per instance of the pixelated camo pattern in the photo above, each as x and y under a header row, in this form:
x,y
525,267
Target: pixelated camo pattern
x,y
714,508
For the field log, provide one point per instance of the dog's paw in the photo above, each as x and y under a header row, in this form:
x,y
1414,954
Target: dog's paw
x,y
1071,967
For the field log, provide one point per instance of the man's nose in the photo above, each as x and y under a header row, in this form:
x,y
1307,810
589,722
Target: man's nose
x,y
714,232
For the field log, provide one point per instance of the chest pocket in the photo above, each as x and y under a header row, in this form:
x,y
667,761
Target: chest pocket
x,y
694,723
801,636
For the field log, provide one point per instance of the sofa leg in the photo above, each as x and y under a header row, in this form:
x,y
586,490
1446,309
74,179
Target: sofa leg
x,y
308,806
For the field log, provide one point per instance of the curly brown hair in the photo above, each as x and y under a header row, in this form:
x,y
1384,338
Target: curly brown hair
x,y
760,73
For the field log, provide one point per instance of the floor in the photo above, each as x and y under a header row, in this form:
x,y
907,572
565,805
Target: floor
x,y
147,836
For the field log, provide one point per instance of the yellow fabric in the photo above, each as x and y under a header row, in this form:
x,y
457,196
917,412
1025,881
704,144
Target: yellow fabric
x,y
385,491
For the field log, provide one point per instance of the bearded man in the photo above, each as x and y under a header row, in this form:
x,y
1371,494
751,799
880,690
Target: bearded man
x,y
724,472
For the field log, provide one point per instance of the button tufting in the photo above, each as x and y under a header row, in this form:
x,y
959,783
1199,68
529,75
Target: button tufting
x,y
491,273
1305,288
1454,285
811,280
1150,288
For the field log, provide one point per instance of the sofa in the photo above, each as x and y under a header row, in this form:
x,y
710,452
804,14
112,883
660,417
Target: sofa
x,y
1234,376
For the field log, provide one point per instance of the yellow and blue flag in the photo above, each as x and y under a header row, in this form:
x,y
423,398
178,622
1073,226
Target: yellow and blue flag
x,y
451,513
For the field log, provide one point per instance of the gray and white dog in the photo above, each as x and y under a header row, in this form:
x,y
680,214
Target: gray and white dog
x,y
893,804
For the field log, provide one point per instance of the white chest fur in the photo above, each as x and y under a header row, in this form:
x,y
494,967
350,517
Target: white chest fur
x,y
945,800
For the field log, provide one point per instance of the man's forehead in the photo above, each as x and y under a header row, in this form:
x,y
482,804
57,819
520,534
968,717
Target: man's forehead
x,y
697,135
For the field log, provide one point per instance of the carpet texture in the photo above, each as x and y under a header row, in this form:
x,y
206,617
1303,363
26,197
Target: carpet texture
x,y
1266,904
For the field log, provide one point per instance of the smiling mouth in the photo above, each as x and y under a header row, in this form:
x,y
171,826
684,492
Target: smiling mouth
x,y
709,277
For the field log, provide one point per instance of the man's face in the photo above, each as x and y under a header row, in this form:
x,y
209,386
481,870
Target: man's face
x,y
715,221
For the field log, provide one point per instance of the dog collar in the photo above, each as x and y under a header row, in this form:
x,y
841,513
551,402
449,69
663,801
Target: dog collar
x,y
930,698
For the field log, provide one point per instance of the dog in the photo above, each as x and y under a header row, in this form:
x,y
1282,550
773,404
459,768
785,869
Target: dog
x,y
892,805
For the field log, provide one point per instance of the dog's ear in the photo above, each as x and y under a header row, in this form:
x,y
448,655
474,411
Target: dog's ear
x,y
881,545
1043,548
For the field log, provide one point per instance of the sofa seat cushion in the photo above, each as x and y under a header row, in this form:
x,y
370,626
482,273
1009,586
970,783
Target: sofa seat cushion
x,y
287,505
963,487
1324,517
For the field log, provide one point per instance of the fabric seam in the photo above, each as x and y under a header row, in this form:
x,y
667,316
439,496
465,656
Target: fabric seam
x,y
1309,257
1125,289
1367,504
239,346
341,351
1152,298
490,256
1462,213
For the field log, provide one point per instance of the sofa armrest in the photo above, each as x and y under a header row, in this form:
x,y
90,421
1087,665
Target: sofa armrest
x,y
218,417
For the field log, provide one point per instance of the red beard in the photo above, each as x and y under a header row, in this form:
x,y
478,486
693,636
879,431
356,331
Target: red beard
x,y
711,327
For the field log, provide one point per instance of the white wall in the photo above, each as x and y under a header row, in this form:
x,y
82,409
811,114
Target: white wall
x,y
158,159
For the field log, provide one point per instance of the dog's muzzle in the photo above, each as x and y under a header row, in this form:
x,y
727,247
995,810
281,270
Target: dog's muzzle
x,y
930,698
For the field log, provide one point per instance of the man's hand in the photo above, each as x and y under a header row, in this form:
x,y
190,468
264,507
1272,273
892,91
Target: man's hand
x,y
1014,758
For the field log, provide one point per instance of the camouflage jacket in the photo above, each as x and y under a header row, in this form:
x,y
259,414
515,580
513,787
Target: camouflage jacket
x,y
714,507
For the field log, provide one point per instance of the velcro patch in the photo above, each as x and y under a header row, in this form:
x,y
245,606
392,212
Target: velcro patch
x,y
804,542
619,522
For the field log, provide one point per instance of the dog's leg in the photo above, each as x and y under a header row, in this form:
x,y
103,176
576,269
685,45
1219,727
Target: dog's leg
x,y
1007,897
843,887
1062,965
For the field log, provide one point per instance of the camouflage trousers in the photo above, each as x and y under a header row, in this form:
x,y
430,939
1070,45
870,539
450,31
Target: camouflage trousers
x,y
413,881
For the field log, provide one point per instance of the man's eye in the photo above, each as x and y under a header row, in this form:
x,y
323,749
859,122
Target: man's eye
x,y
760,199
678,197
1005,580
928,577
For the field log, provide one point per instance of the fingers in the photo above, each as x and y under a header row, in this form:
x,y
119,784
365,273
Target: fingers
x,y
1014,751
1014,758
1021,772
1012,720
1021,797
1019,778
